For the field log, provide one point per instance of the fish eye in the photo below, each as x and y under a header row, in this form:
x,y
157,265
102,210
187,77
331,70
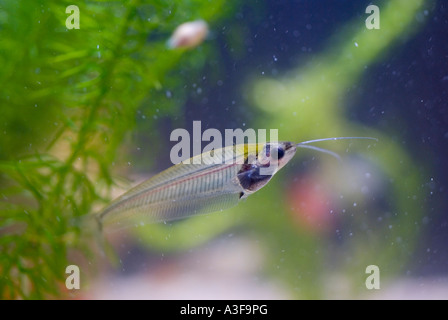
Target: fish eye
x,y
279,152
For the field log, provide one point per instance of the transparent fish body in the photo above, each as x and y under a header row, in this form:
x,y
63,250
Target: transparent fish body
x,y
183,190
205,183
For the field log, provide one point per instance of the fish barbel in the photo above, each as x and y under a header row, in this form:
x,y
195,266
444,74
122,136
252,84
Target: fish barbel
x,y
202,184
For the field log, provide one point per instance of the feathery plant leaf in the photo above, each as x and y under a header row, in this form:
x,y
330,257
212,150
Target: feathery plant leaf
x,y
69,98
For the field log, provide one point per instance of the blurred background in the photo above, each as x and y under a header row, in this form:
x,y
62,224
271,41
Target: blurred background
x,y
87,113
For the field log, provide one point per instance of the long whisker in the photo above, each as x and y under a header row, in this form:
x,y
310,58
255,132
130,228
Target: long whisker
x,y
336,138
331,153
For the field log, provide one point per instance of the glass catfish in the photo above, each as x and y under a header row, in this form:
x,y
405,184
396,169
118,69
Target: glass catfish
x,y
189,189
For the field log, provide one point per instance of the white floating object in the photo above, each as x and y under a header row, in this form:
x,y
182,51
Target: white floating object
x,y
189,34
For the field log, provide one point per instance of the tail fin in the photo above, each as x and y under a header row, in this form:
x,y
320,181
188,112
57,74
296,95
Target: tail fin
x,y
92,226
88,223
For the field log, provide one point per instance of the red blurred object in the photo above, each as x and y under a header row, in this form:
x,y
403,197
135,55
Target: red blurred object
x,y
310,204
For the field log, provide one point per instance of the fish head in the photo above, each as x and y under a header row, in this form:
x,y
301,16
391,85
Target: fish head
x,y
271,157
275,155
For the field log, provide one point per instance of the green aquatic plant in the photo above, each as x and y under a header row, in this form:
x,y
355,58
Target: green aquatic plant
x,y
69,101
